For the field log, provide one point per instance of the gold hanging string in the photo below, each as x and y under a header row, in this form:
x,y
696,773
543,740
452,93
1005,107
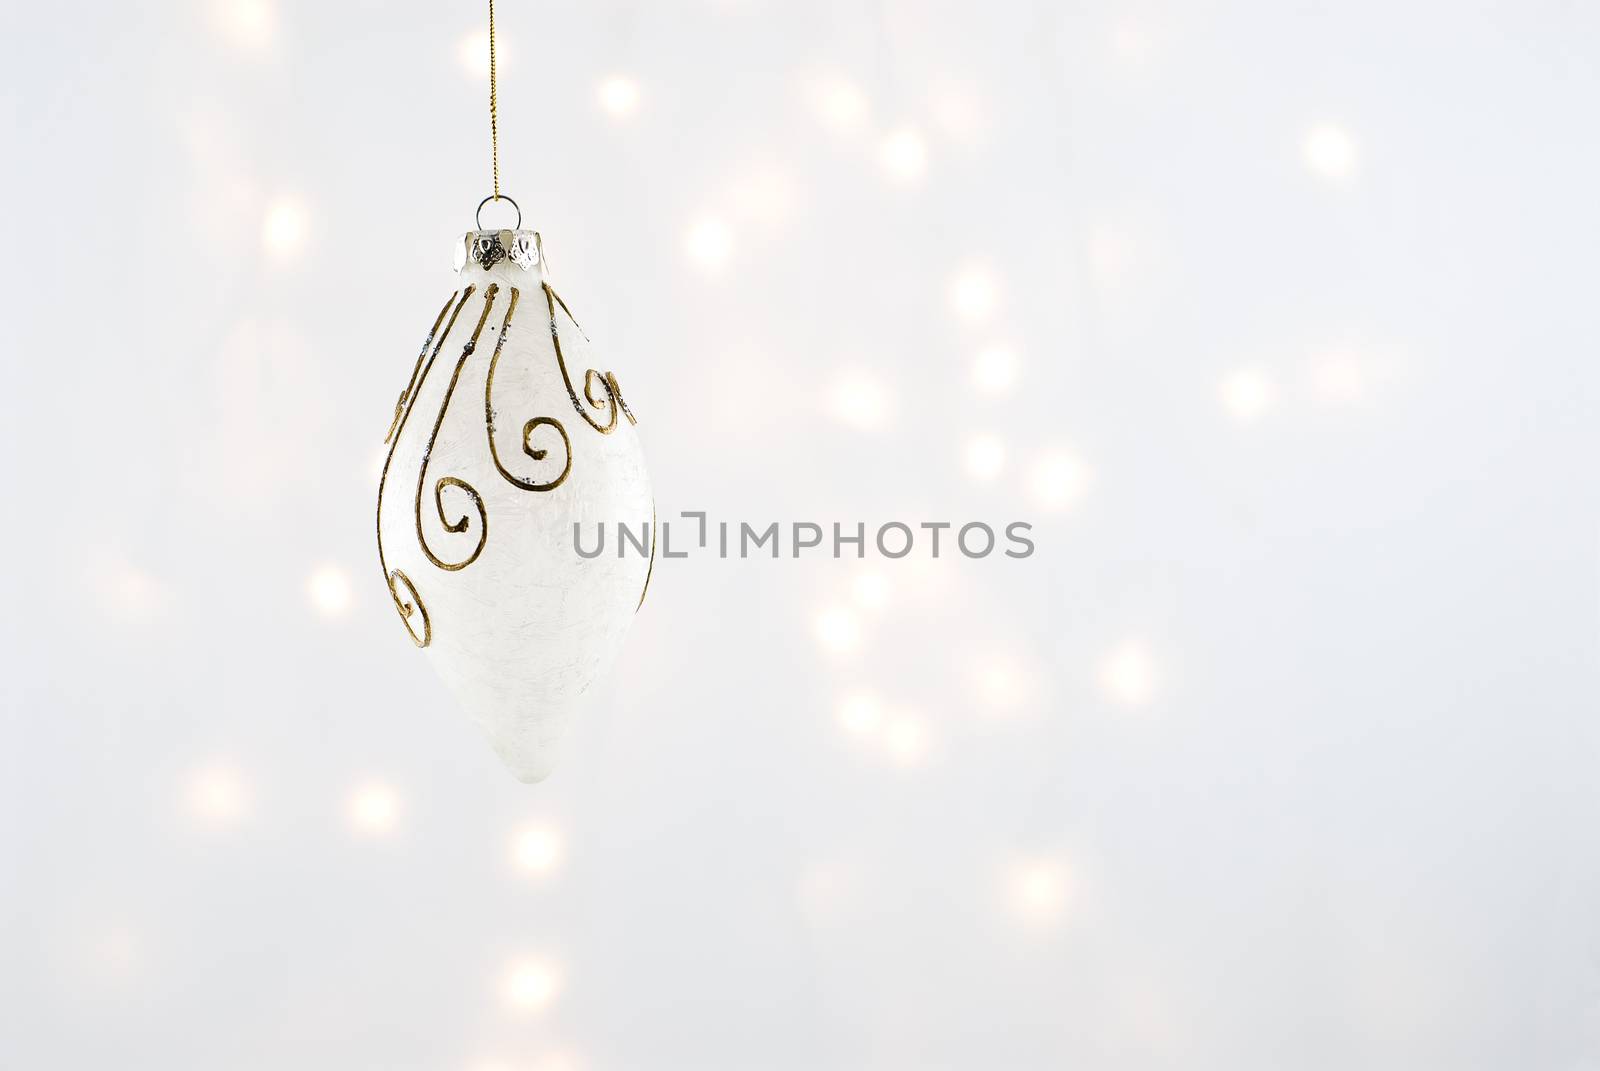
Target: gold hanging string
x,y
494,118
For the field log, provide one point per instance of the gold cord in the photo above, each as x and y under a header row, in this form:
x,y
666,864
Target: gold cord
x,y
494,118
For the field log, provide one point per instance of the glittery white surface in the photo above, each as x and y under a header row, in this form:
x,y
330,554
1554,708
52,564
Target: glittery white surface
x,y
521,634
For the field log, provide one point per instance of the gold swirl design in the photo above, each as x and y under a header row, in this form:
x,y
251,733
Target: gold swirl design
x,y
528,428
461,523
407,609
601,392
613,400
402,416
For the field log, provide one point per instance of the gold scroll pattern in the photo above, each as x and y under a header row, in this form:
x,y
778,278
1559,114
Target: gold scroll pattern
x,y
411,605
402,590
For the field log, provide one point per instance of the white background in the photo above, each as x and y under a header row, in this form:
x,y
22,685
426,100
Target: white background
x,y
1279,753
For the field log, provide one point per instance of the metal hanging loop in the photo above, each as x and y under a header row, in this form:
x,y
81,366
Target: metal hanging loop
x,y
477,217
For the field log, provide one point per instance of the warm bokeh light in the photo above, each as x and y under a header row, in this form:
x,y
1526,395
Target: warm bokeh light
x,y
1058,480
1128,675
838,630
247,24
373,809
1001,683
995,370
537,849
860,713
283,228
125,591
985,457
839,104
1330,152
618,96
904,155
472,53
1340,375
764,195
859,399
870,589
1247,394
1037,890
708,244
530,985
218,795
907,740
974,293
329,589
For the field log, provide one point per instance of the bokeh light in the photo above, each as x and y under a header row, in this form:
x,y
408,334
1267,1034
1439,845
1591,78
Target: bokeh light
x,y
530,985
329,589
1329,152
870,589
373,809
838,630
537,850
249,25
839,104
1037,891
284,228
218,795
1247,394
985,456
995,370
1128,674
859,399
708,244
860,713
907,739
974,293
618,96
904,155
1058,480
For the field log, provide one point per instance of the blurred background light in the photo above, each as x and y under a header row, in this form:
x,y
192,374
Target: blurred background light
x,y
1058,479
985,456
708,244
870,589
839,104
249,25
283,228
859,398
373,809
995,370
1330,153
1128,674
537,850
974,293
838,630
1037,891
329,590
218,795
860,713
530,985
904,155
1247,394
619,96
907,739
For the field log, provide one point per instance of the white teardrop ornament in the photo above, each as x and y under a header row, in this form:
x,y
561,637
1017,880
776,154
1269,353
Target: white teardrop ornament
x,y
507,434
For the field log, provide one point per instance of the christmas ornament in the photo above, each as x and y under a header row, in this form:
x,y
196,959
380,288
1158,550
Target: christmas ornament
x,y
507,434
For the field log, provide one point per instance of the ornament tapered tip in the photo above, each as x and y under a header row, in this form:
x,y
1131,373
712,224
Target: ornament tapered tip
x,y
530,754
